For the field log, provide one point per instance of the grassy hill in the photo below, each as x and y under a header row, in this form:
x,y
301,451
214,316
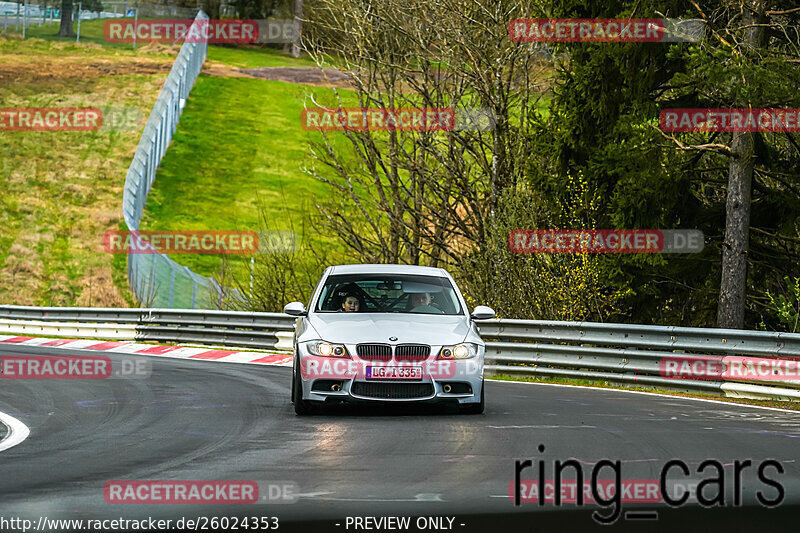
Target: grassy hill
x,y
63,190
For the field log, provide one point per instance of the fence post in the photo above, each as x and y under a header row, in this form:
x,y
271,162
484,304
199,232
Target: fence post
x,y
171,281
151,284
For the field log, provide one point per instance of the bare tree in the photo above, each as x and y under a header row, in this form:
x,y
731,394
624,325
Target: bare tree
x,y
424,196
298,21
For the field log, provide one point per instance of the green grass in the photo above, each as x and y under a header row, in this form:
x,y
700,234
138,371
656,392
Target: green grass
x,y
91,32
62,190
242,56
791,405
226,162
254,57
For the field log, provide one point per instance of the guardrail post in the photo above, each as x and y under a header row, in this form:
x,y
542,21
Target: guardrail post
x,y
285,340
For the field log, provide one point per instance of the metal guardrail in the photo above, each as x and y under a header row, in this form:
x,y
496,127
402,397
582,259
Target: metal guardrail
x,y
619,353
154,278
223,328
633,354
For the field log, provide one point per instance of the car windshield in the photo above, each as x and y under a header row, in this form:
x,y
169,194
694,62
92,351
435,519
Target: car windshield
x,y
388,293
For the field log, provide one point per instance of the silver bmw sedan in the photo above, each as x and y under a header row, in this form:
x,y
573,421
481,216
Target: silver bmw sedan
x,y
387,333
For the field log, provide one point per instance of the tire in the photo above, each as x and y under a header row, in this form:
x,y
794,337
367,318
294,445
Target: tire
x,y
476,408
301,407
291,395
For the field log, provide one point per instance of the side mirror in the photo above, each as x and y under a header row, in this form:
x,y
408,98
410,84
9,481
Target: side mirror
x,y
482,313
295,309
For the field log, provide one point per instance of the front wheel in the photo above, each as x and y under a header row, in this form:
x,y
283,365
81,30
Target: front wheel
x,y
301,407
476,408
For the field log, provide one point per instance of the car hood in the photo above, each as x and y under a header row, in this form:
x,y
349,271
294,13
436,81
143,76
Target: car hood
x,y
355,328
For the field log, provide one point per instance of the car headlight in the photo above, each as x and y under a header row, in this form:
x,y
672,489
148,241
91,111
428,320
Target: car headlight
x,y
459,351
327,349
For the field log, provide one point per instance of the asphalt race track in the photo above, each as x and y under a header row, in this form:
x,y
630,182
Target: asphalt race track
x,y
199,420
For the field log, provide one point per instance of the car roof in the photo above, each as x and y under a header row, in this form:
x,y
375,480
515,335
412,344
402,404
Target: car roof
x,y
388,269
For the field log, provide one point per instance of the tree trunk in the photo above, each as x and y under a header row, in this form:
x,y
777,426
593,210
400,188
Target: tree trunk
x,y
730,313
66,19
732,290
298,26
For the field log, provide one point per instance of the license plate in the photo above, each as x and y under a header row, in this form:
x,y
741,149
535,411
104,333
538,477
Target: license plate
x,y
394,372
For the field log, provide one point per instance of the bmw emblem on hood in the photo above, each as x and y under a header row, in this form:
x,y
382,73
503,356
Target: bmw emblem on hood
x,y
392,338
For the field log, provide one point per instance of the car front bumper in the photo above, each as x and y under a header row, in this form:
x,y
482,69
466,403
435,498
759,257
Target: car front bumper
x,y
452,381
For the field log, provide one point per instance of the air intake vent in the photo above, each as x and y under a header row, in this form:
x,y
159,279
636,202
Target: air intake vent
x,y
412,352
374,352
392,391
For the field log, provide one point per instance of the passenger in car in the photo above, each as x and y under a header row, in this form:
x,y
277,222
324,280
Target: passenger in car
x,y
351,304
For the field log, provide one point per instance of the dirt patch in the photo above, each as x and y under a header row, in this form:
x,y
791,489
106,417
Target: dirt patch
x,y
325,77
98,290
23,268
216,69
159,48
51,72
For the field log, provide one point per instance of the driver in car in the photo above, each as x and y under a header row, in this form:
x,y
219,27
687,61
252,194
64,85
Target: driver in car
x,y
420,299
421,302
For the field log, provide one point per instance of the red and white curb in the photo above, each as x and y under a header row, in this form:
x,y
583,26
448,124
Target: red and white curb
x,y
178,352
